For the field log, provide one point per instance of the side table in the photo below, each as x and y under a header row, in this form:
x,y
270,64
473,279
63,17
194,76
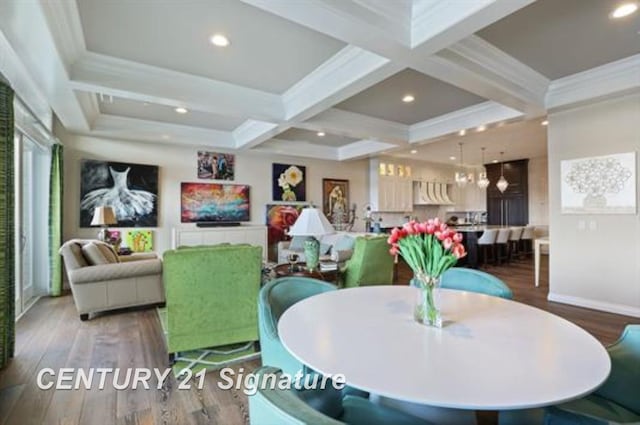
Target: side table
x,y
299,269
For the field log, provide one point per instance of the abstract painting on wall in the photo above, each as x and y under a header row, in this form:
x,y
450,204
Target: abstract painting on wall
x,y
279,218
289,183
216,166
599,185
139,240
130,189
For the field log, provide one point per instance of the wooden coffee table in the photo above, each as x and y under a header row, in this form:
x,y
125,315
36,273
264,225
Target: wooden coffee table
x,y
300,269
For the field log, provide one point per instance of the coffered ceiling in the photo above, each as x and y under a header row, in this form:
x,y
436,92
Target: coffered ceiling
x,y
119,69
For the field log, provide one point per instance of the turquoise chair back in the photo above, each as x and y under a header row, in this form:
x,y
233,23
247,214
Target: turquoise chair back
x,y
623,384
273,300
475,281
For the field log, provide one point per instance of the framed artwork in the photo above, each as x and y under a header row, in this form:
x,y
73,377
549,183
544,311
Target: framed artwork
x,y
289,183
335,199
130,189
139,240
216,166
279,218
599,185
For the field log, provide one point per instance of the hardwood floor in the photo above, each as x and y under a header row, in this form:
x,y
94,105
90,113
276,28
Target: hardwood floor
x,y
51,335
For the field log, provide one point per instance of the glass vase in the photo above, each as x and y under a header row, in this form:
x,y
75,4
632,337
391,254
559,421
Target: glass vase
x,y
426,309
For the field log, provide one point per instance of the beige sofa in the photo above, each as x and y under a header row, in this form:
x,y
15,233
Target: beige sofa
x,y
122,282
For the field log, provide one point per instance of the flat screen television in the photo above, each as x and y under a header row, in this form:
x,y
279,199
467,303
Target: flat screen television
x,y
214,203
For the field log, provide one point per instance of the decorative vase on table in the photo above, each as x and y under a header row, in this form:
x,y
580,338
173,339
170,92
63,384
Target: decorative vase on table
x,y
312,253
430,249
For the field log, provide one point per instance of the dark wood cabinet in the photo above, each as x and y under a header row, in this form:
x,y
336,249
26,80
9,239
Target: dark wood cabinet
x,y
510,208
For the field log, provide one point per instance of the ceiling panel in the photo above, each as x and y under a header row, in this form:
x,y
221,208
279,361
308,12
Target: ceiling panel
x,y
432,98
562,37
298,134
166,114
523,139
266,52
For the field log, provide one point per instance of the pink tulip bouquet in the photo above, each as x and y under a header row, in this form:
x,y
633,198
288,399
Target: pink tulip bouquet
x,y
430,249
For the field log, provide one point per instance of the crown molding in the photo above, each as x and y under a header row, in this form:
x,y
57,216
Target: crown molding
x,y
612,79
63,19
298,148
351,124
473,116
132,80
251,133
362,148
116,127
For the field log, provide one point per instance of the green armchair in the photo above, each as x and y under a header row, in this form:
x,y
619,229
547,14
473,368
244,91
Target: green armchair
x,y
211,294
370,264
275,297
271,405
617,401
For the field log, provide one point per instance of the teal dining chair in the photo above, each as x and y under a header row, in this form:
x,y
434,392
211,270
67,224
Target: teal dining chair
x,y
274,298
475,281
617,401
271,405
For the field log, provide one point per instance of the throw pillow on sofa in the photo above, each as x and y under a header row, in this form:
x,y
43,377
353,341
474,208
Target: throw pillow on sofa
x,y
94,255
345,243
109,252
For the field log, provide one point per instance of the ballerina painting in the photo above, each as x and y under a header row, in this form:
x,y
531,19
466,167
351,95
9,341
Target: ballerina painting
x,y
130,189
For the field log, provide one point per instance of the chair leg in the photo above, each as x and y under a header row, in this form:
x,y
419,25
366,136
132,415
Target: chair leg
x,y
84,317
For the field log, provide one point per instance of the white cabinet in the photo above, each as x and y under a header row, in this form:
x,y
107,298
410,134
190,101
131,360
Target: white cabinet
x,y
390,188
253,235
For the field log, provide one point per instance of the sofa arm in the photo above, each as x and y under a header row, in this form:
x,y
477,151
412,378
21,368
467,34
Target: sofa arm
x,y
115,271
137,257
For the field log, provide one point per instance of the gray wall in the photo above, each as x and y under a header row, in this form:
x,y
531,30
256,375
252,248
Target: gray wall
x,y
595,259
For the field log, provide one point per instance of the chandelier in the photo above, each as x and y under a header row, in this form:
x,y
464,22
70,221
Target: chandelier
x,y
462,178
502,182
483,181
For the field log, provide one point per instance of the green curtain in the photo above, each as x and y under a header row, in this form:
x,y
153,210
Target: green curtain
x,y
7,272
55,220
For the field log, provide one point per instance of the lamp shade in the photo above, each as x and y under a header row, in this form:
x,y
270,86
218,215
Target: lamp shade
x,y
103,216
311,222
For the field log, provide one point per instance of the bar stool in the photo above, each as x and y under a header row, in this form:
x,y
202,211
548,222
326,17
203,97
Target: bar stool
x,y
502,245
514,241
488,240
526,241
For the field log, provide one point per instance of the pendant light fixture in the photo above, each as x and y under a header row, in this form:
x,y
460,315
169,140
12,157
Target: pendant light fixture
x,y
483,181
461,176
502,183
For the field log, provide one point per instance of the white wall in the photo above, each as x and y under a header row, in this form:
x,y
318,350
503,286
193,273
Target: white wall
x,y
595,259
178,164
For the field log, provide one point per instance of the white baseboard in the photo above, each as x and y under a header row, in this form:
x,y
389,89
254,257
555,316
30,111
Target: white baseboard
x,y
626,310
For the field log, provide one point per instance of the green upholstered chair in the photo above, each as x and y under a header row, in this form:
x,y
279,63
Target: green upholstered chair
x,y
617,401
211,294
275,297
370,264
475,281
317,407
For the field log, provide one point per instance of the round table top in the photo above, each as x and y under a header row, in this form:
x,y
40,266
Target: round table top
x,y
491,354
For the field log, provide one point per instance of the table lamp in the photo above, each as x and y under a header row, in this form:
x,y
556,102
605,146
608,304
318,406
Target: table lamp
x,y
311,223
103,216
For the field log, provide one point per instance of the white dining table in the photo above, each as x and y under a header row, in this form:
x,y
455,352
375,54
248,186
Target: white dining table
x,y
491,354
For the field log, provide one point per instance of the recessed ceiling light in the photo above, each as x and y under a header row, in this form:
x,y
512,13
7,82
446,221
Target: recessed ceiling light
x,y
408,98
320,133
462,132
453,158
482,128
181,110
495,161
623,10
545,122
219,40
414,151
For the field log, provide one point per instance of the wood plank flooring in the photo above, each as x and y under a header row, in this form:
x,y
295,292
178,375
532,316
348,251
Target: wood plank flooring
x,y
51,335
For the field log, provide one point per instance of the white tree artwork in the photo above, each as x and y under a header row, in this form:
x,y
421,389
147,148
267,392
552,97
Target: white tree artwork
x,y
599,185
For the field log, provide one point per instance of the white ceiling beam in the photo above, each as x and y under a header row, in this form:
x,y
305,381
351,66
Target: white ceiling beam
x,y
612,79
351,124
299,148
124,128
131,80
39,54
251,133
467,118
362,148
